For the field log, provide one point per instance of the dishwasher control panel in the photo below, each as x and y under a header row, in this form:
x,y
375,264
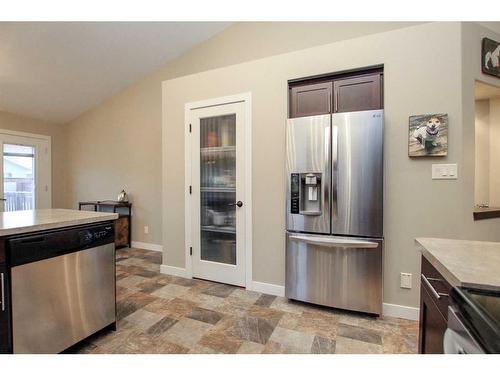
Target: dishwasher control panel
x,y
34,247
90,235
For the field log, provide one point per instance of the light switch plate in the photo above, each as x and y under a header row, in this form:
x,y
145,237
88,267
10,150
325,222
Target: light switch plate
x,y
444,171
405,280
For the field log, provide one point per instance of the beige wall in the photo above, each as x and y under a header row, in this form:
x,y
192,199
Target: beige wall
x,y
482,165
57,132
414,205
494,153
118,144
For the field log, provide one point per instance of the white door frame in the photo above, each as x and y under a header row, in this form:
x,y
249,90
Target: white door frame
x,y
48,172
245,98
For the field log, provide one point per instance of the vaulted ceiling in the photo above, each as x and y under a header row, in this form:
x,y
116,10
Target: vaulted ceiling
x,y
55,71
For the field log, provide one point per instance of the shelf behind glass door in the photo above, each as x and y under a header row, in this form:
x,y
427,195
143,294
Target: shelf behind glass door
x,y
218,188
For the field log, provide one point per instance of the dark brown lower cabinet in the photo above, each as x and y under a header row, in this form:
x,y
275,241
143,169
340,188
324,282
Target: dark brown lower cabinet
x,y
432,325
5,341
434,302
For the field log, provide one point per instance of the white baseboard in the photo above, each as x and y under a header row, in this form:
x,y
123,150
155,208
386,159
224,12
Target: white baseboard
x,y
147,246
174,271
275,290
388,309
399,311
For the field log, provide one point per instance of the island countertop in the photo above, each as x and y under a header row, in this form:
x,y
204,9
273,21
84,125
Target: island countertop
x,y
470,264
19,222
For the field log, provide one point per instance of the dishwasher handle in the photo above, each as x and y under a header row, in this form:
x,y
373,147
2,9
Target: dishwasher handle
x,y
335,242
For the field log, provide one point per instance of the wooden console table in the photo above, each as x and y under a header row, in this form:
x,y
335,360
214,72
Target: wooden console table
x,y
123,226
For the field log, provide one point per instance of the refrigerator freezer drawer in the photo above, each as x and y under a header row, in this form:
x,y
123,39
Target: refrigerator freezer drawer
x,y
334,271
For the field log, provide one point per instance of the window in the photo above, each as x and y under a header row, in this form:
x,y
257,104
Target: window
x,y
19,177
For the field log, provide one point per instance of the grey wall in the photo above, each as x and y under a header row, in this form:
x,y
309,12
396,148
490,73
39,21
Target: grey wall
x,y
423,68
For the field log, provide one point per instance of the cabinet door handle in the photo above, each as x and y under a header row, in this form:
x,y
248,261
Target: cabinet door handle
x,y
2,290
429,285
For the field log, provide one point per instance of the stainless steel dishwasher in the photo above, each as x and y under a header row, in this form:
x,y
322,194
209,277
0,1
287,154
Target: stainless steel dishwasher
x,y
63,287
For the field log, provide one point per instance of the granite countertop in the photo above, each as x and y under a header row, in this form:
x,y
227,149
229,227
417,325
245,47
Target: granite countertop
x,y
18,222
470,264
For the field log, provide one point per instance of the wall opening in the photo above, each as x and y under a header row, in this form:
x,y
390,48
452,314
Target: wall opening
x,y
487,148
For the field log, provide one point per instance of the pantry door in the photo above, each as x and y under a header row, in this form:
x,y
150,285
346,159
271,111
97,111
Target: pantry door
x,y
218,193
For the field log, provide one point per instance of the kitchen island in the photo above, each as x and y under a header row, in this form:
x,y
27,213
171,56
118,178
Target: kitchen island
x,y
457,275
57,274
469,264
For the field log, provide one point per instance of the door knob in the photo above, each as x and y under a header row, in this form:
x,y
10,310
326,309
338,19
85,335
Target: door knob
x,y
239,204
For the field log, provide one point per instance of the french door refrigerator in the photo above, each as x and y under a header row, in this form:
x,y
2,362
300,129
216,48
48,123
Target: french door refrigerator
x,y
334,238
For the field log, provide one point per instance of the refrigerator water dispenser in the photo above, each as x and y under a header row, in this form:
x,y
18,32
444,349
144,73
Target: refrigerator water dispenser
x,y
305,193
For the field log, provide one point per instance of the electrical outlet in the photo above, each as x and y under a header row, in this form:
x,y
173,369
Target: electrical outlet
x,y
405,280
146,229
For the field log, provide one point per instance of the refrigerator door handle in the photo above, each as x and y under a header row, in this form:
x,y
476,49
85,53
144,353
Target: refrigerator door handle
x,y
335,147
335,242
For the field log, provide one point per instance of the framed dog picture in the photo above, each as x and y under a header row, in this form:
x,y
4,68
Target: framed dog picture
x,y
490,57
428,135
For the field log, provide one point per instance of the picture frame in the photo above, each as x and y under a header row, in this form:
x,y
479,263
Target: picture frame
x,y
490,57
428,135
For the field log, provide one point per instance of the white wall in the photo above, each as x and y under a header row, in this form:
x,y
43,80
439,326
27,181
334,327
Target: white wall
x,y
423,71
494,176
482,166
487,143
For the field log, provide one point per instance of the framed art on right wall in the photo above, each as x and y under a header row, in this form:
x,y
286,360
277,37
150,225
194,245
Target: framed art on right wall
x,y
428,135
490,57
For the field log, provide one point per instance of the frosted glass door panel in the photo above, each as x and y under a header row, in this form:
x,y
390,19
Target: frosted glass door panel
x,y
218,188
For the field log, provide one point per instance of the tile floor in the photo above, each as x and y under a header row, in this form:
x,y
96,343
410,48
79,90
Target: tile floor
x,y
159,313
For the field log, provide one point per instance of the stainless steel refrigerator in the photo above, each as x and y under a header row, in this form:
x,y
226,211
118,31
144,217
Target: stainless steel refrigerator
x,y
334,239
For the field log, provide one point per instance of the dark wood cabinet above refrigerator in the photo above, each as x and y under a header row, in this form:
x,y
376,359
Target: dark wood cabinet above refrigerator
x,y
360,91
311,99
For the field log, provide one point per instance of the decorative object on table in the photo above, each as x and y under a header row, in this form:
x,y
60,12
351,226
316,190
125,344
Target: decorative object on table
x,y
123,197
428,135
490,57
123,225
